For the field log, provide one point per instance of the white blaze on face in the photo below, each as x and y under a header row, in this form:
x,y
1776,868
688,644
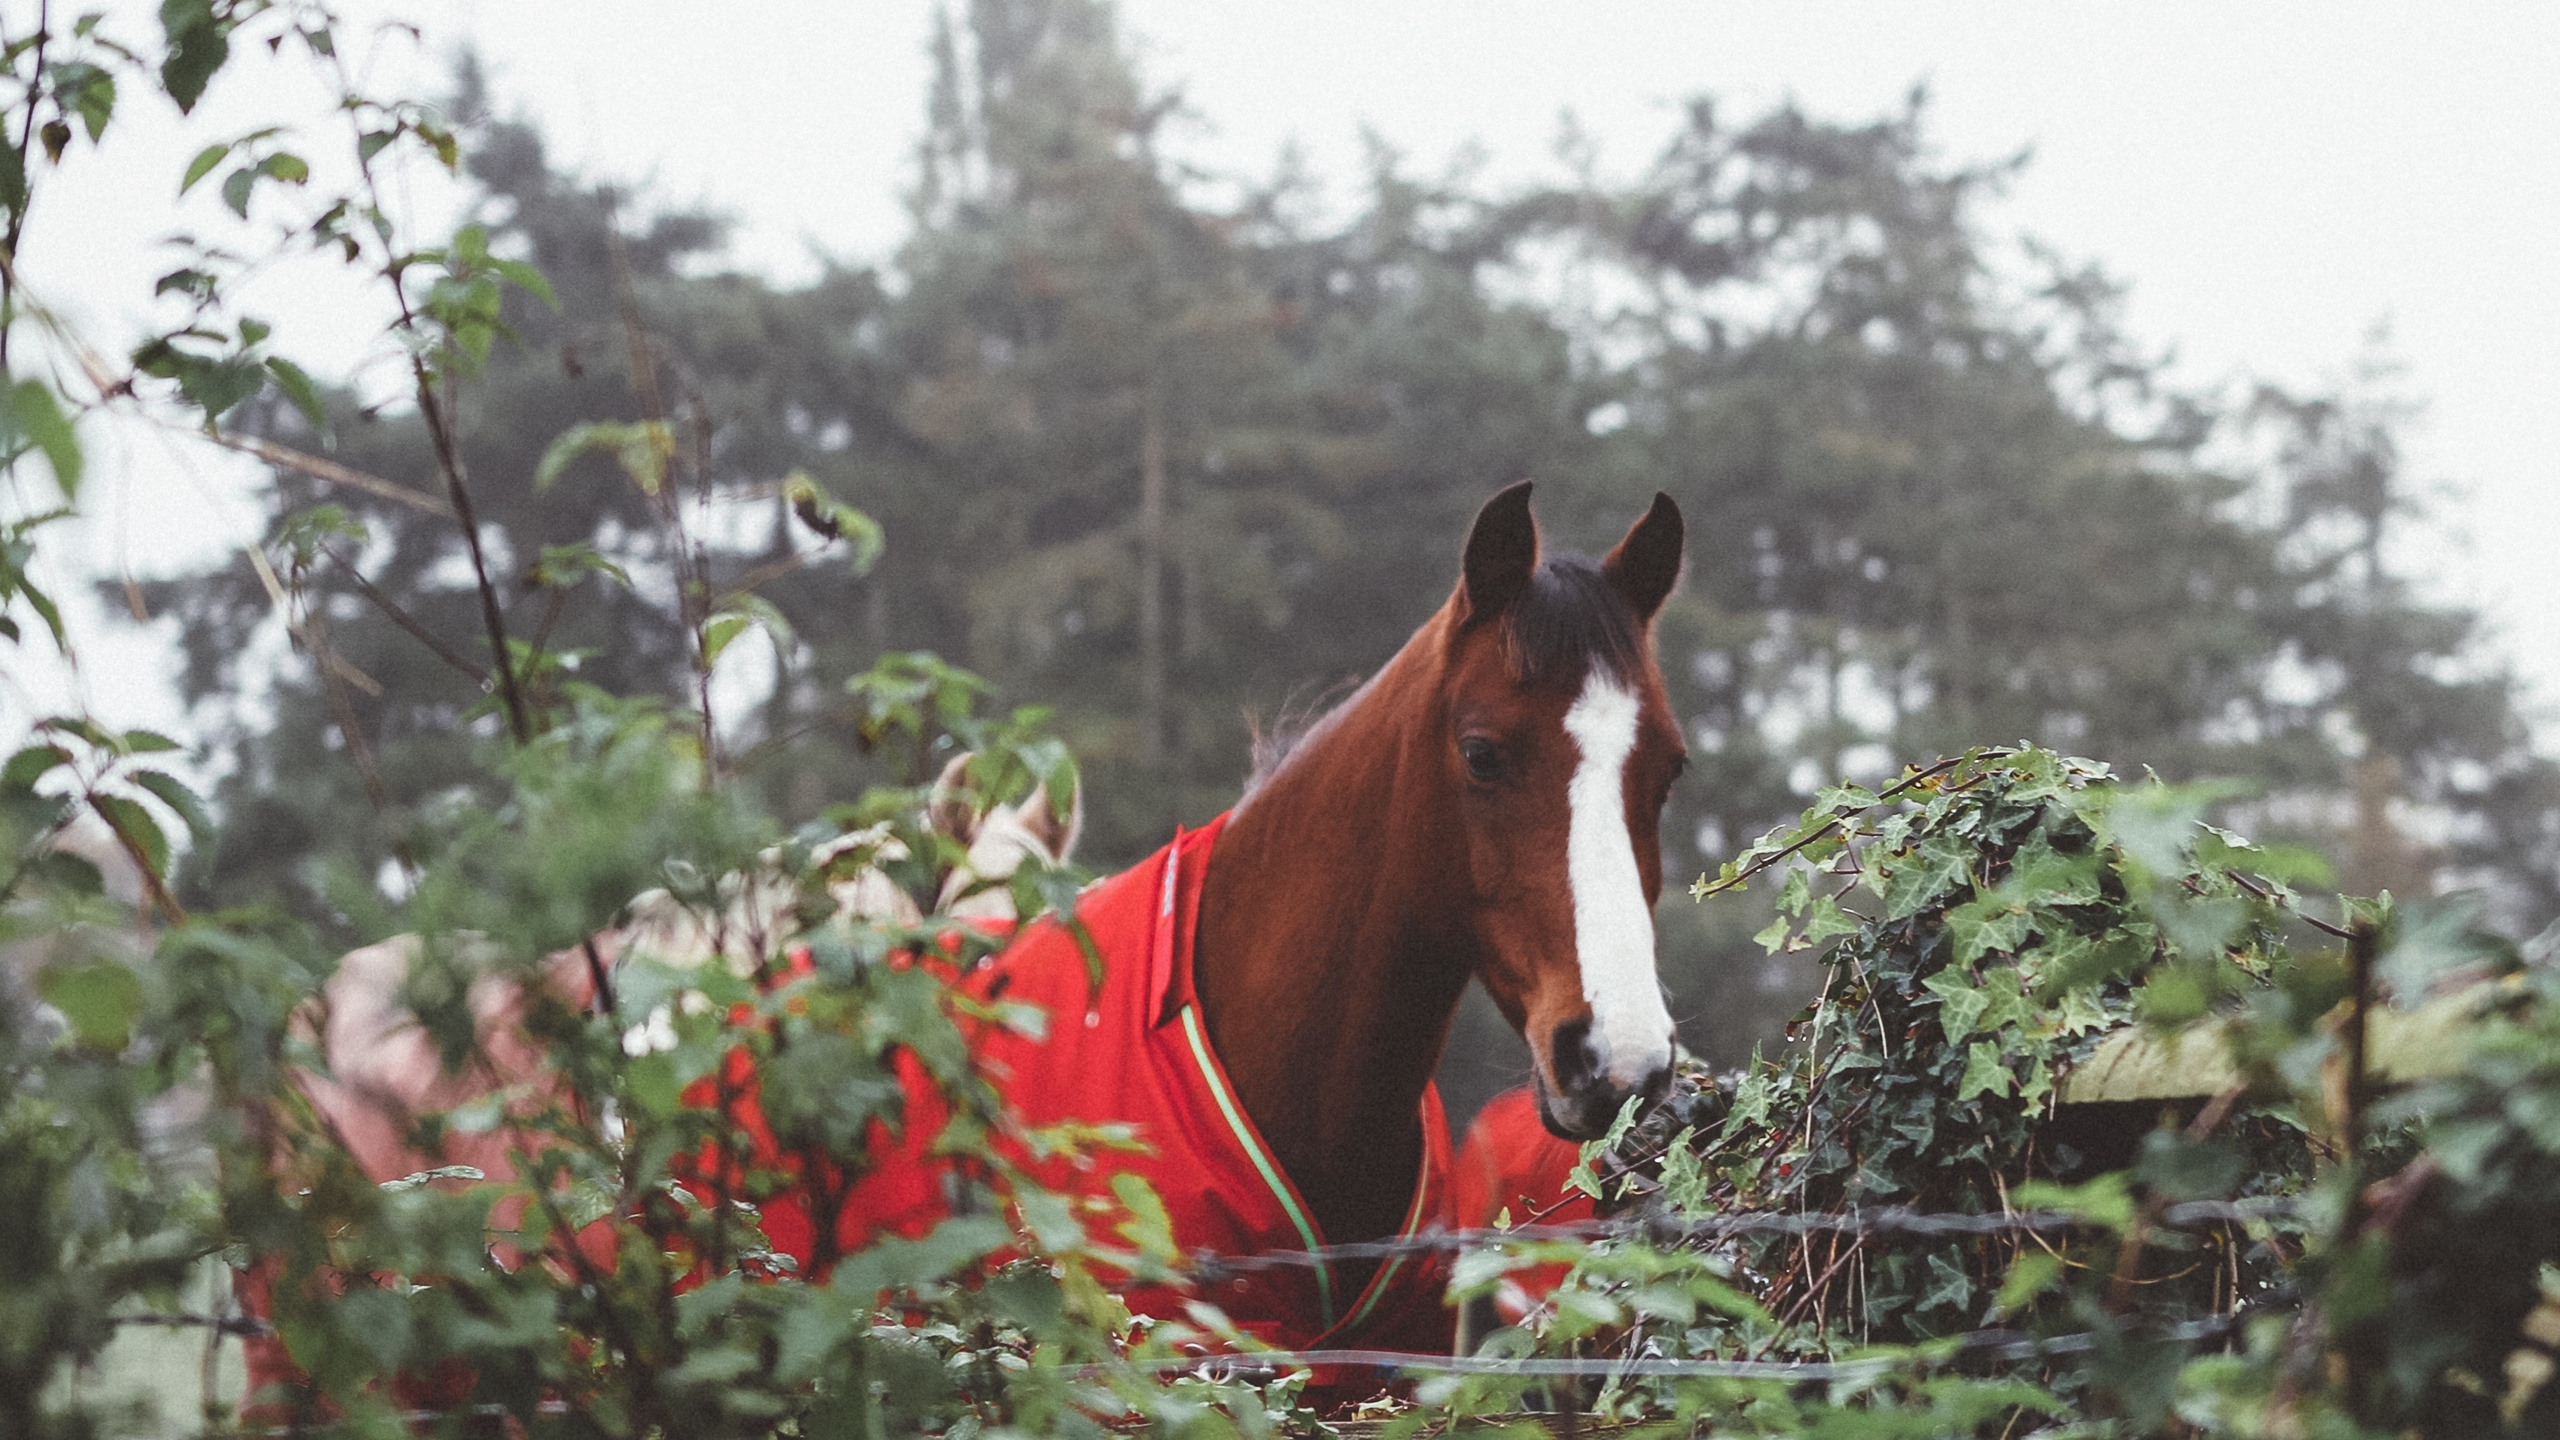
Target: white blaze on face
x,y
1612,925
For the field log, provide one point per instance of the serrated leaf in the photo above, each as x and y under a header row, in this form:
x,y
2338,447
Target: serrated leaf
x,y
31,764
135,824
170,791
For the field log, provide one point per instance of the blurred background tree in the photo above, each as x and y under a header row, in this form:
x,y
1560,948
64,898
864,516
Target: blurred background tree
x,y
1171,449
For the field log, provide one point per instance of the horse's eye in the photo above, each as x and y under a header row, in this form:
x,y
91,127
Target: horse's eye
x,y
1484,761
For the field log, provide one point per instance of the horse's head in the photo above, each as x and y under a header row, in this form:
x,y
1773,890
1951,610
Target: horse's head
x,y
1561,748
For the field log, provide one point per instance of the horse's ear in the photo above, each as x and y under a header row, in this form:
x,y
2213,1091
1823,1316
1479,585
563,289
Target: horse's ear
x,y
1646,563
1056,835
1502,553
947,806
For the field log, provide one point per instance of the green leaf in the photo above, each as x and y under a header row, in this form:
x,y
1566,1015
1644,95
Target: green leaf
x,y
202,165
732,619
1920,878
2106,1200
2030,1275
1826,921
1984,926
169,791
199,45
135,824
100,999
235,190
524,277
562,565
297,387
1984,1074
13,181
284,166
834,520
32,764
88,92
643,448
718,631
35,419
1960,1005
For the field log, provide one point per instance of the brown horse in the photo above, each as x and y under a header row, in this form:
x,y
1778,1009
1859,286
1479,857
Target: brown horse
x,y
1487,805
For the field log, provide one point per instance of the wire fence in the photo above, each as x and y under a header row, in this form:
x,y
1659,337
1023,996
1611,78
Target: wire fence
x,y
1209,1266
1882,1221
1992,1346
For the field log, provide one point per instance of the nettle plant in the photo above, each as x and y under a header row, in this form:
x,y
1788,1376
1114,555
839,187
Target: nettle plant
x,y
2095,1128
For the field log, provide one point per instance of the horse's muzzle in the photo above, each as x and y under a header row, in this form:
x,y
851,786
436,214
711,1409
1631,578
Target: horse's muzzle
x,y
1582,1099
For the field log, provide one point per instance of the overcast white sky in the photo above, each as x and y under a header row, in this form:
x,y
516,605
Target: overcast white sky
x,y
2273,179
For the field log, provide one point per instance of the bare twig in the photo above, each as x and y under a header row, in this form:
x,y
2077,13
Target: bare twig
x,y
1762,864
285,457
402,618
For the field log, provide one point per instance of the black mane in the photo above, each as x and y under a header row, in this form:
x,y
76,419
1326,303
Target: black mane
x,y
1568,620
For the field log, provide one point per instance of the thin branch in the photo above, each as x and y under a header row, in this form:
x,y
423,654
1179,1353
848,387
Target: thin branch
x,y
285,457
1762,864
402,618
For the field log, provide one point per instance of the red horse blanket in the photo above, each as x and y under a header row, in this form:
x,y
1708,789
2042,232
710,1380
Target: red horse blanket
x,y
1135,1051
1132,1051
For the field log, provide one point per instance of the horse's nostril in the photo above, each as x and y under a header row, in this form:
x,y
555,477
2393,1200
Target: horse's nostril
x,y
1575,1058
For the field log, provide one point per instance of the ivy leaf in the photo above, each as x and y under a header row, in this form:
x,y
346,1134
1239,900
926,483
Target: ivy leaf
x,y
1843,799
1960,1005
1984,926
1826,921
1919,878
1796,894
1984,1074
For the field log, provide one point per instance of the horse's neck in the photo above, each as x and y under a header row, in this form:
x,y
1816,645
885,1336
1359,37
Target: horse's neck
x,y
1327,963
